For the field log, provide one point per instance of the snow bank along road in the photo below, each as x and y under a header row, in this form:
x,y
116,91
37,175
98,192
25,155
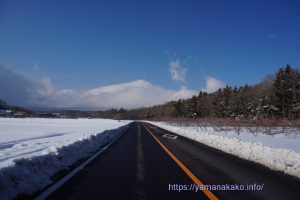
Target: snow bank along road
x,y
280,152
148,162
34,152
29,137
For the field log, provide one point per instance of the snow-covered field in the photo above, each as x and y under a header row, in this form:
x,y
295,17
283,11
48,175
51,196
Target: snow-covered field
x,y
278,152
34,149
23,138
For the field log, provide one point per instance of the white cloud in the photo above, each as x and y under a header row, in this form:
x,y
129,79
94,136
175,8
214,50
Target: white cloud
x,y
20,90
133,94
178,73
212,84
183,93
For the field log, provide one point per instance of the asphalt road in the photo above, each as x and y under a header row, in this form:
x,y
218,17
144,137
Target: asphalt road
x,y
150,163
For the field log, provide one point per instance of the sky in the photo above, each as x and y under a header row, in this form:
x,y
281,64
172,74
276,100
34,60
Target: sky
x,y
102,54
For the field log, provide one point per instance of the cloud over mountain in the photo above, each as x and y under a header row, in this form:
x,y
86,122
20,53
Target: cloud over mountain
x,y
20,90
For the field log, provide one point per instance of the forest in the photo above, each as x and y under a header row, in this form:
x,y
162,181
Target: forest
x,y
275,97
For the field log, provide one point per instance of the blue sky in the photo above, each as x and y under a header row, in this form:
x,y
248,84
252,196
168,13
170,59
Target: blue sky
x,y
89,44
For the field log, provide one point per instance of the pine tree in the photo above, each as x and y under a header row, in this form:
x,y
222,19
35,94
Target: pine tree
x,y
287,91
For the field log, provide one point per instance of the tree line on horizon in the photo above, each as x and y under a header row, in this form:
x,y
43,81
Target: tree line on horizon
x,y
277,96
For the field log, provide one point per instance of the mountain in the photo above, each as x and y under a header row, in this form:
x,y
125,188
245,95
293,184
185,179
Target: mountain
x,y
3,105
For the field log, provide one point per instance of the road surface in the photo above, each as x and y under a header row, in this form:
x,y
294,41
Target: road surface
x,y
150,163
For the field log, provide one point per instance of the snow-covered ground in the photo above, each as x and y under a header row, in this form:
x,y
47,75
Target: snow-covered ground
x,y
23,138
34,149
278,152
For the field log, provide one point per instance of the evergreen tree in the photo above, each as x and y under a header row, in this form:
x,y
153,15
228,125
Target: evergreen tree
x,y
287,91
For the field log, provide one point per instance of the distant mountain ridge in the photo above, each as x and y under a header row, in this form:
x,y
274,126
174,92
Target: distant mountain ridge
x,y
3,105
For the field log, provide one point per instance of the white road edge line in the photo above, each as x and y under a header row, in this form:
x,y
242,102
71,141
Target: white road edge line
x,y
67,177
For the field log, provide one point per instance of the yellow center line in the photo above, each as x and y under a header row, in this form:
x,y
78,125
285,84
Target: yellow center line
x,y
208,193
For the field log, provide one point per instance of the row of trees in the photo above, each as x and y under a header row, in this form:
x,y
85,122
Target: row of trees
x,y
277,96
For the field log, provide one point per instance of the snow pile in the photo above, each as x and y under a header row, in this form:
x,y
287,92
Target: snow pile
x,y
280,159
32,174
27,137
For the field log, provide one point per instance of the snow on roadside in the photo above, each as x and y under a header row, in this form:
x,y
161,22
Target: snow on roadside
x,y
30,174
279,159
27,137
